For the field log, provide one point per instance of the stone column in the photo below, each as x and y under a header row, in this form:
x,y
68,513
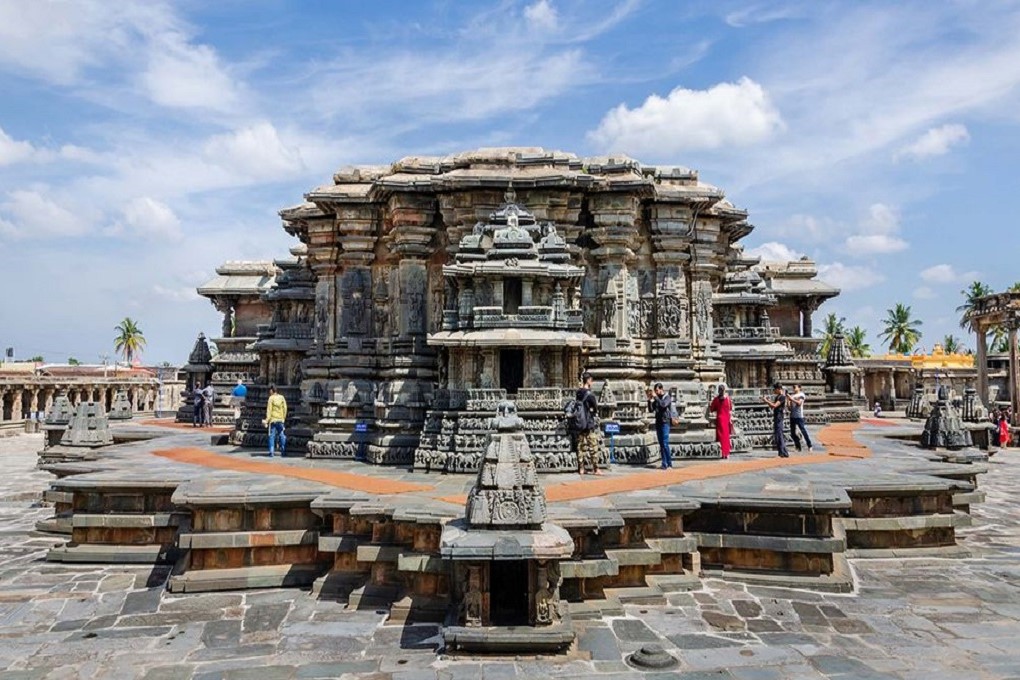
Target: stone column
x,y
807,329
981,364
1014,371
526,292
33,404
18,404
3,397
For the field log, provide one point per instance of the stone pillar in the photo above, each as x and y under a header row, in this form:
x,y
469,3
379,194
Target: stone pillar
x,y
1014,372
33,403
807,329
3,398
526,292
18,404
981,363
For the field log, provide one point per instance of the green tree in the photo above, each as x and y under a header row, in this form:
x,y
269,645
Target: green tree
x,y
857,342
971,293
831,327
901,332
38,358
129,340
1000,340
71,361
952,345
1015,288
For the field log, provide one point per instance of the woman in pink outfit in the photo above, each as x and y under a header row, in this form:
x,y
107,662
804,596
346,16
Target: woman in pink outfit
x,y
722,406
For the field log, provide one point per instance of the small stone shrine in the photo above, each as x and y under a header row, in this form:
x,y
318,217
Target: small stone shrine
x,y
57,419
120,409
199,370
944,427
505,556
88,428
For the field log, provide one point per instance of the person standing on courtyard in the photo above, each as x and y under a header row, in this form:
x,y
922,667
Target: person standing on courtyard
x,y
661,403
778,405
588,435
276,416
197,405
209,394
797,400
722,406
237,398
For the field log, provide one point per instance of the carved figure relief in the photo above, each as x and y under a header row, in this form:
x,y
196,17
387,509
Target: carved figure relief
x,y
608,316
703,310
473,598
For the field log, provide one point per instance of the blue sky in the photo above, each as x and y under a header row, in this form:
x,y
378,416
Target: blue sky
x,y
142,144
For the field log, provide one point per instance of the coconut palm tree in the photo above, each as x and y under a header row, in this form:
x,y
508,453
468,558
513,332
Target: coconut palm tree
x,y
831,327
951,345
129,340
971,293
1000,340
856,342
901,332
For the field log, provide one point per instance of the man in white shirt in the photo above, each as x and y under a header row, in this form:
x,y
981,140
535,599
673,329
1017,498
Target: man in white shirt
x,y
797,400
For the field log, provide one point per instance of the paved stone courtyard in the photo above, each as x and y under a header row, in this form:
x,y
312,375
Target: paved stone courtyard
x,y
916,618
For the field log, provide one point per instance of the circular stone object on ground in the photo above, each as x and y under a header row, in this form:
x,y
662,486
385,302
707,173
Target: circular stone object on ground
x,y
652,657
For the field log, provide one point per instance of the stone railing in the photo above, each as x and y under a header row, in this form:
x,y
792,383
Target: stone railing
x,y
527,317
747,333
485,399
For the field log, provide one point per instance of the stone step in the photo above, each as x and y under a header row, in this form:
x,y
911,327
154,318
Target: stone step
x,y
418,609
589,568
125,521
338,544
57,496
421,563
61,524
593,610
908,523
634,556
275,576
246,539
670,583
636,595
111,554
372,596
839,581
673,545
968,498
793,544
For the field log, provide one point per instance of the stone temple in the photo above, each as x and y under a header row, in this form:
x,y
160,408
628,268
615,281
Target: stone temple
x,y
426,292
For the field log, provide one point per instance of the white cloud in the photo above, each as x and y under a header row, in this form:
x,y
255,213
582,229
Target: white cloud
x,y
935,142
541,15
874,244
32,215
255,151
183,75
13,151
175,294
774,252
807,228
759,14
147,218
877,233
849,277
946,273
726,114
924,293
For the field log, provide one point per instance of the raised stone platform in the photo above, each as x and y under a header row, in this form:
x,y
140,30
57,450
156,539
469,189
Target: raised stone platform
x,y
370,537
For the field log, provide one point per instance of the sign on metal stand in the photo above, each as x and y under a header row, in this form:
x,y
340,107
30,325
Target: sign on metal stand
x,y
361,436
612,429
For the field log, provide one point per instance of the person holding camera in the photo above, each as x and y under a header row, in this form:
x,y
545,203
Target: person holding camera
x,y
778,405
661,404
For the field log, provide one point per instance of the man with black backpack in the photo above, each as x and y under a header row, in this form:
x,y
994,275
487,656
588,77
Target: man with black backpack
x,y
583,418
661,404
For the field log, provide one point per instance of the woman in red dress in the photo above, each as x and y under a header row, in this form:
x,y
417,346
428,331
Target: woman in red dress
x,y
722,406
1005,438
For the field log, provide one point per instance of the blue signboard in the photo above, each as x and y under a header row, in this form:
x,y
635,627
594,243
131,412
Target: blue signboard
x,y
361,427
612,428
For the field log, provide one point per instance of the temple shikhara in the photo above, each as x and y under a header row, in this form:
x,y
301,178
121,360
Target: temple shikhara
x,y
424,293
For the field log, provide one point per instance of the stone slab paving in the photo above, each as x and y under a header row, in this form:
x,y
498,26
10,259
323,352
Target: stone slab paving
x,y
914,618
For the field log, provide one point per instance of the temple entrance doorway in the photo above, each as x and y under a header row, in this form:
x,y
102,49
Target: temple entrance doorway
x,y
508,592
511,370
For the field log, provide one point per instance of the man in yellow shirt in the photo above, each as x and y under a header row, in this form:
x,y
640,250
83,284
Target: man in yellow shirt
x,y
276,416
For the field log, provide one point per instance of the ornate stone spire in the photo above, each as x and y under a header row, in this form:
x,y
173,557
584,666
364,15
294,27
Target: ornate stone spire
x,y
839,353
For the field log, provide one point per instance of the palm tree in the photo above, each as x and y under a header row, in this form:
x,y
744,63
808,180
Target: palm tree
x,y
1015,288
1000,340
831,327
901,332
951,345
856,342
129,340
971,293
